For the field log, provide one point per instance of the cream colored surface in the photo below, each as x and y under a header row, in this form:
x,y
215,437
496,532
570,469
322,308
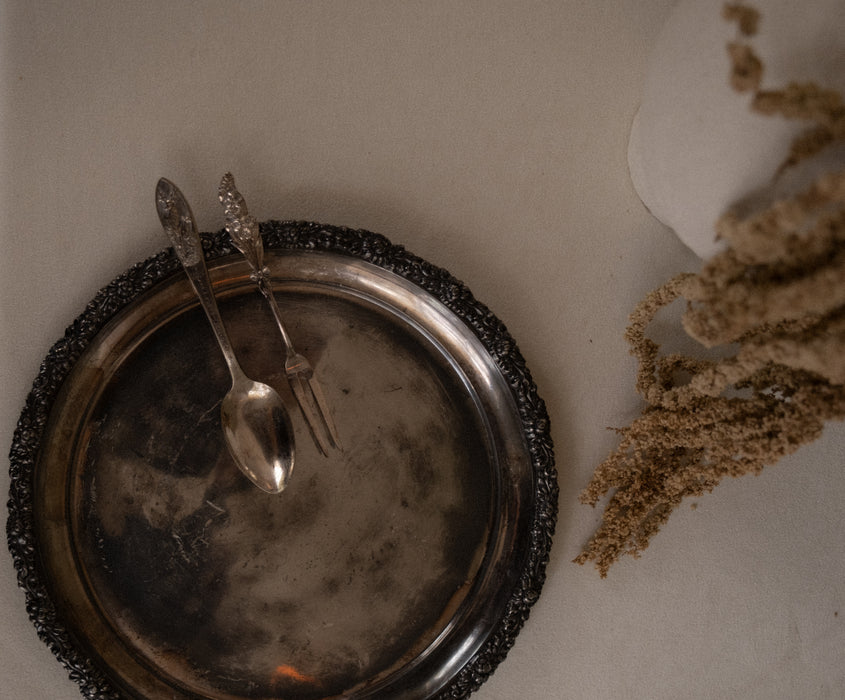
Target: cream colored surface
x,y
489,138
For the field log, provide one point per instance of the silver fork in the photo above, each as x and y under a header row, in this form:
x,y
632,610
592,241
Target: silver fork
x,y
243,229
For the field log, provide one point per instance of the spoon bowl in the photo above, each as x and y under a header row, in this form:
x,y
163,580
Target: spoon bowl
x,y
259,433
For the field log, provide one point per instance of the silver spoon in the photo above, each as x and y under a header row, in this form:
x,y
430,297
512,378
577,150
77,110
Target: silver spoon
x,y
256,425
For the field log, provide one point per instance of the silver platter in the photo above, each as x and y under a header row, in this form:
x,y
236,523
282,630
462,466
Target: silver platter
x,y
402,566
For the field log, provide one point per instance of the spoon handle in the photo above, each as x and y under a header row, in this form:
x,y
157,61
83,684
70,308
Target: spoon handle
x,y
179,224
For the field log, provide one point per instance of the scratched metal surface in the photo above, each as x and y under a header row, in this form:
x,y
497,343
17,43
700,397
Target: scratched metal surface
x,y
187,581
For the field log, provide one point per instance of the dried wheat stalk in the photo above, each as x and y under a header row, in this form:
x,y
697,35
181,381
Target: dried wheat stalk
x,y
776,294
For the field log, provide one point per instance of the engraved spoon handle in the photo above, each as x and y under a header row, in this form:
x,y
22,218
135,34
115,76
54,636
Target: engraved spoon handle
x,y
179,224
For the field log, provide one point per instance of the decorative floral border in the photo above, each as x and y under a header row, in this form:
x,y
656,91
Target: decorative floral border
x,y
373,248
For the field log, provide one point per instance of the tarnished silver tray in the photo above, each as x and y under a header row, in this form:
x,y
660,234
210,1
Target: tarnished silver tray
x,y
403,566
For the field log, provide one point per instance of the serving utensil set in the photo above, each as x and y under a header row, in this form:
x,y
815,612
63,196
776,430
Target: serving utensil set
x,y
255,423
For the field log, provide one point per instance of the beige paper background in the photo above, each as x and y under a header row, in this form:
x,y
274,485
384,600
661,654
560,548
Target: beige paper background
x,y
489,138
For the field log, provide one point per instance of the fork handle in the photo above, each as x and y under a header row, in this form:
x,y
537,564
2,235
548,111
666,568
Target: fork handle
x,y
263,279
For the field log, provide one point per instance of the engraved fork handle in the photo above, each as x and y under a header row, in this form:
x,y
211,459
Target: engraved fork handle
x,y
244,232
